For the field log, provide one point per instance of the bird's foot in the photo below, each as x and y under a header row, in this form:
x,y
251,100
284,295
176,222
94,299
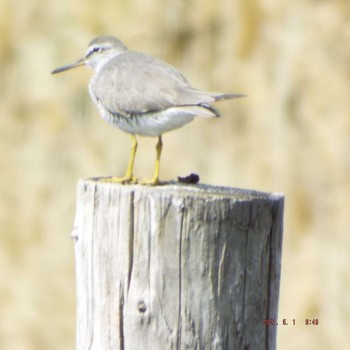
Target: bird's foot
x,y
125,179
131,180
121,180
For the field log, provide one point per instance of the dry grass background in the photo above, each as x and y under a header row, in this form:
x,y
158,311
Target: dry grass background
x,y
291,135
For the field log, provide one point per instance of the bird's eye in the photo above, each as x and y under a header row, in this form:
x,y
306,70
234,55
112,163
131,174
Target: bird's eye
x,y
94,50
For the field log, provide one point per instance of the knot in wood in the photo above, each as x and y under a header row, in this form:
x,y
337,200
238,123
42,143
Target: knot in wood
x,y
141,306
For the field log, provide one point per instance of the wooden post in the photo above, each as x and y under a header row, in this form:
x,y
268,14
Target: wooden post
x,y
176,267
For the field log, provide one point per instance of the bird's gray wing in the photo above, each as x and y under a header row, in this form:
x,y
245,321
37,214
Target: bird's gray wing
x,y
138,83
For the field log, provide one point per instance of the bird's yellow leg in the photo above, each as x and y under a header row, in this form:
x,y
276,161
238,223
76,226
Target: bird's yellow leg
x,y
155,179
159,147
129,177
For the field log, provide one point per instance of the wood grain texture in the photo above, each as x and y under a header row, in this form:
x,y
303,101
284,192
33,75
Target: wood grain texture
x,y
176,267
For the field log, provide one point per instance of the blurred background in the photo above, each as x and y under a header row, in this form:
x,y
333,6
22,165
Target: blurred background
x,y
291,135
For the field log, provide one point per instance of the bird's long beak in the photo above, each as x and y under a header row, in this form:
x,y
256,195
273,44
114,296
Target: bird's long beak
x,y
78,63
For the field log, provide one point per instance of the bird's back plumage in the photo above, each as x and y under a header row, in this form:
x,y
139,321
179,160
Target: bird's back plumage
x,y
136,83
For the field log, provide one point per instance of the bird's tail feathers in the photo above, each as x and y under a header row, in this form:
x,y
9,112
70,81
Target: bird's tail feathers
x,y
220,97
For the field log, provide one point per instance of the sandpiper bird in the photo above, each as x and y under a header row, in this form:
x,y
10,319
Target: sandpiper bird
x,y
141,95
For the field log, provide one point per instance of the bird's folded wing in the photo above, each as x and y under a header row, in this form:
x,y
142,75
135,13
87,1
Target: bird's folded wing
x,y
137,83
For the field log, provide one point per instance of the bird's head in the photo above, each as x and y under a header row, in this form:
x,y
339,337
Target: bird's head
x,y
99,51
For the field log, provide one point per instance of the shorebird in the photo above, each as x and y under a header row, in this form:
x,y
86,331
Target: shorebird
x,y
142,95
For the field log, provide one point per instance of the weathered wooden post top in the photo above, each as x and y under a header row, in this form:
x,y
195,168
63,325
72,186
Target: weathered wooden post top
x,y
176,267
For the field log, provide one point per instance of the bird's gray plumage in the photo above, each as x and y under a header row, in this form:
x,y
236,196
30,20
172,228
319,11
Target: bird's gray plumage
x,y
140,93
137,83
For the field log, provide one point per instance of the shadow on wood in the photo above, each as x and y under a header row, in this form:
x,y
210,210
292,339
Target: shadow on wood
x,y
176,267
